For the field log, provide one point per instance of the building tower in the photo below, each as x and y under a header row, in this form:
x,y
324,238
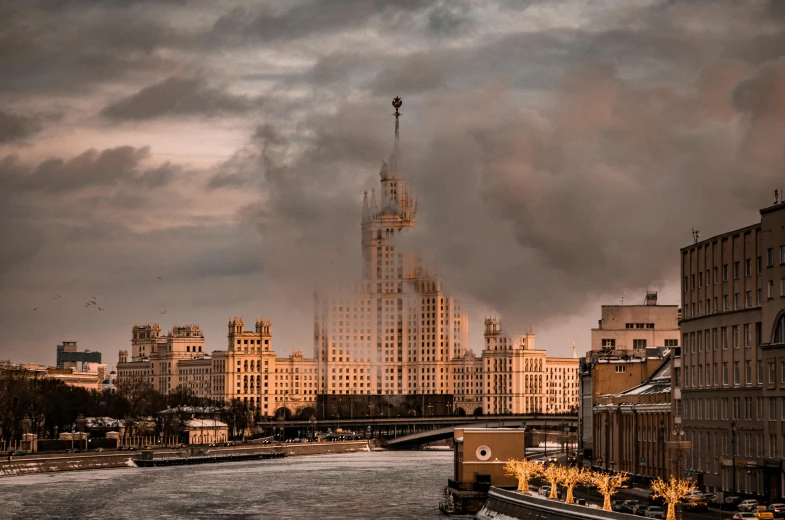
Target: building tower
x,y
396,331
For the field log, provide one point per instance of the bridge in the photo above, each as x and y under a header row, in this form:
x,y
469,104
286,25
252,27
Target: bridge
x,y
438,434
403,432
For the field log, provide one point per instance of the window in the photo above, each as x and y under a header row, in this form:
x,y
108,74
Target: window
x,y
782,286
736,270
725,302
621,369
716,277
608,342
772,373
782,255
748,267
760,372
677,376
715,339
700,341
748,297
725,374
771,289
639,343
724,338
700,280
737,301
671,343
714,369
736,373
735,332
724,272
769,257
686,284
779,330
747,335
748,372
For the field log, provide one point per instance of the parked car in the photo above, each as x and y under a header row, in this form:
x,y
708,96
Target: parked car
x,y
694,504
629,506
616,505
654,512
731,502
695,493
710,499
744,516
778,510
545,490
748,505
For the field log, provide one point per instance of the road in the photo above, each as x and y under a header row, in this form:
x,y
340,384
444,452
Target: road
x,y
593,497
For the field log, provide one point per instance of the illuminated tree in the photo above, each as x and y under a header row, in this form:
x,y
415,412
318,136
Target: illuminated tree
x,y
524,470
571,477
553,474
671,491
607,485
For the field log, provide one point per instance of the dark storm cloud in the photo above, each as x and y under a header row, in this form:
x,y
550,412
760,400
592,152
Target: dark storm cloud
x,y
77,45
311,18
92,168
177,96
17,127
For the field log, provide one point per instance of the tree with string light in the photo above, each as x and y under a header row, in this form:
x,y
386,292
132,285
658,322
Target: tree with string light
x,y
553,474
524,470
672,491
571,477
607,484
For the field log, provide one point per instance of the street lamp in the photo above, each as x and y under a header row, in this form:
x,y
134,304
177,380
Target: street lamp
x,y
733,451
679,434
662,447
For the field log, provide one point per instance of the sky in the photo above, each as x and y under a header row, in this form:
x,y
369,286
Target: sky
x,y
190,161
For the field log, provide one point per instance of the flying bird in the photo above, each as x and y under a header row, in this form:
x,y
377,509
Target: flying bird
x,y
35,309
163,312
100,309
160,278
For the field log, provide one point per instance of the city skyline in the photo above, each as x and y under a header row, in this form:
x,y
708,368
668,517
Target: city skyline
x,y
191,165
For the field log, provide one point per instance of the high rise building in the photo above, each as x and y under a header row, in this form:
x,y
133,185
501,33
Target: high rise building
x,y
396,331
393,333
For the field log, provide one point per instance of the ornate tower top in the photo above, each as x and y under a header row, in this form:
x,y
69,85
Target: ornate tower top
x,y
396,162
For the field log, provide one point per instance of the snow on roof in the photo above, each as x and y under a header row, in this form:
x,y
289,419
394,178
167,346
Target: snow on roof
x,y
204,423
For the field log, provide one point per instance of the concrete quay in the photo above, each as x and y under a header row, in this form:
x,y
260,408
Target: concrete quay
x,y
29,464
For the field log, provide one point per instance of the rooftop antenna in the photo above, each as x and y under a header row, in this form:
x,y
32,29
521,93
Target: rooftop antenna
x,y
622,298
696,235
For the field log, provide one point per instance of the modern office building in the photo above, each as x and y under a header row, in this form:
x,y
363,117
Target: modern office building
x,y
68,355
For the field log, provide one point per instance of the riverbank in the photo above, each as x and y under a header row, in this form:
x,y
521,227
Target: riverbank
x,y
31,464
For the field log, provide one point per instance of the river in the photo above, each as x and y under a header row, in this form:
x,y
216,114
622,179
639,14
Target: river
x,y
381,484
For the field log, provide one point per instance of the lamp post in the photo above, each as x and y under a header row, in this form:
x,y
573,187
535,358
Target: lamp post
x,y
733,451
679,434
662,447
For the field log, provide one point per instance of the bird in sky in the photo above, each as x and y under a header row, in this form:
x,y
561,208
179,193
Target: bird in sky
x,y
160,278
163,312
100,309
35,309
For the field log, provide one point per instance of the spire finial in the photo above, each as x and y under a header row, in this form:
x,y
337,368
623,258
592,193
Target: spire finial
x,y
395,159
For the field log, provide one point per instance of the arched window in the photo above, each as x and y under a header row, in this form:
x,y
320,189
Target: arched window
x,y
779,329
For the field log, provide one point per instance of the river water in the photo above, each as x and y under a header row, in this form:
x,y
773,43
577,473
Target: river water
x,y
381,484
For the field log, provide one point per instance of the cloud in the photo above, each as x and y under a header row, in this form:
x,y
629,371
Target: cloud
x,y
16,127
177,96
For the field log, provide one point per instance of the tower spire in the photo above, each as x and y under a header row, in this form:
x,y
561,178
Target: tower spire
x,y
395,158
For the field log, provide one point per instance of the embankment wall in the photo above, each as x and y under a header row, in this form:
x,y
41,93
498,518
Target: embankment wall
x,y
25,465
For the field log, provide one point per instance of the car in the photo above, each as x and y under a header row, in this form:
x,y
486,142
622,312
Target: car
x,y
654,512
629,506
695,493
545,490
694,504
731,502
778,510
744,516
748,505
710,499
762,513
616,505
